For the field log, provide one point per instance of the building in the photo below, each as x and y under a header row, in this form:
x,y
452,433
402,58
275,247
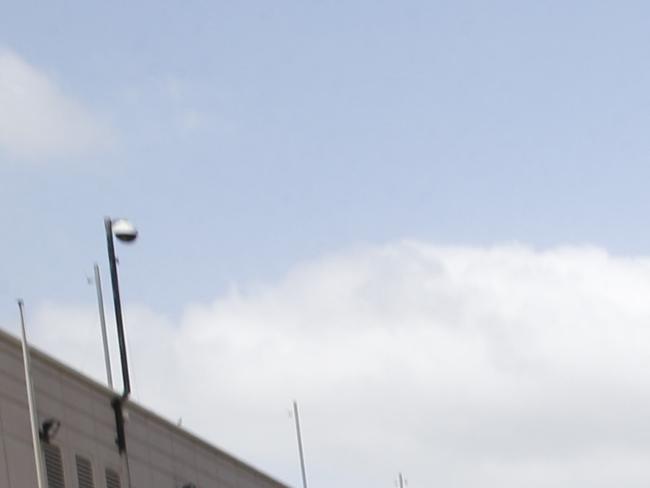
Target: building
x,y
75,413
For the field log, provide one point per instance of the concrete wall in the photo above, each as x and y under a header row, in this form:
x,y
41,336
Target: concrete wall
x,y
161,455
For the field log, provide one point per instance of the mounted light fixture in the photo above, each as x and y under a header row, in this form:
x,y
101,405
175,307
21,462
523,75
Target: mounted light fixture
x,y
48,429
124,230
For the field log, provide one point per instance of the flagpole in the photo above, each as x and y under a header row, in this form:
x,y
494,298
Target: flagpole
x,y
102,323
299,436
33,418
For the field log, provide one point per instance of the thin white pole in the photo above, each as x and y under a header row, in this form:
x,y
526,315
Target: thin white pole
x,y
102,322
402,481
302,455
30,400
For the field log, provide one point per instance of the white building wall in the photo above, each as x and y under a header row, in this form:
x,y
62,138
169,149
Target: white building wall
x,y
161,455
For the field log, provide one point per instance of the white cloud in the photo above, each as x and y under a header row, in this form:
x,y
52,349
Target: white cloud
x,y
39,122
494,367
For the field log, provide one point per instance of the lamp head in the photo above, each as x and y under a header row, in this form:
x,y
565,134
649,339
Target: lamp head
x,y
124,230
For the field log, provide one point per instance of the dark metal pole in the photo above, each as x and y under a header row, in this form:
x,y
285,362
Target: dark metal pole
x,y
108,224
118,402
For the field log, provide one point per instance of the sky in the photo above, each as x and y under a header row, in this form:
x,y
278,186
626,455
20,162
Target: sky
x,y
423,220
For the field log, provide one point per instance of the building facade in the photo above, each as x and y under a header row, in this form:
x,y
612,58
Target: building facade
x,y
78,436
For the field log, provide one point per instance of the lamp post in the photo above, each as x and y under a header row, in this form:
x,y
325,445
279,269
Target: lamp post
x,y
125,232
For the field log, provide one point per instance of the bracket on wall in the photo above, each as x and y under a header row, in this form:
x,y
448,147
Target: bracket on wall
x,y
120,439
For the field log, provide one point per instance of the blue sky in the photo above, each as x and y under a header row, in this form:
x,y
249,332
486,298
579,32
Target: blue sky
x,y
246,137
249,136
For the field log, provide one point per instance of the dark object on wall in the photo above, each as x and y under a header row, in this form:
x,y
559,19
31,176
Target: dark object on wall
x,y
48,429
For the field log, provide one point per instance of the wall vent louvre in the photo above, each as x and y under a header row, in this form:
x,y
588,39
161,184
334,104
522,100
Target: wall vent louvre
x,y
53,466
84,472
112,479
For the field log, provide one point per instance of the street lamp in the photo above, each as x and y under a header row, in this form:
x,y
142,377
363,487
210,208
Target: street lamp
x,y
125,232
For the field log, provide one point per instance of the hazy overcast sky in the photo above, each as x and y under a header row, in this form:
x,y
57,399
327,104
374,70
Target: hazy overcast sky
x,y
367,148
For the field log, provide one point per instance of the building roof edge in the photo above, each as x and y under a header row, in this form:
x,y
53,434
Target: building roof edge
x,y
10,339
